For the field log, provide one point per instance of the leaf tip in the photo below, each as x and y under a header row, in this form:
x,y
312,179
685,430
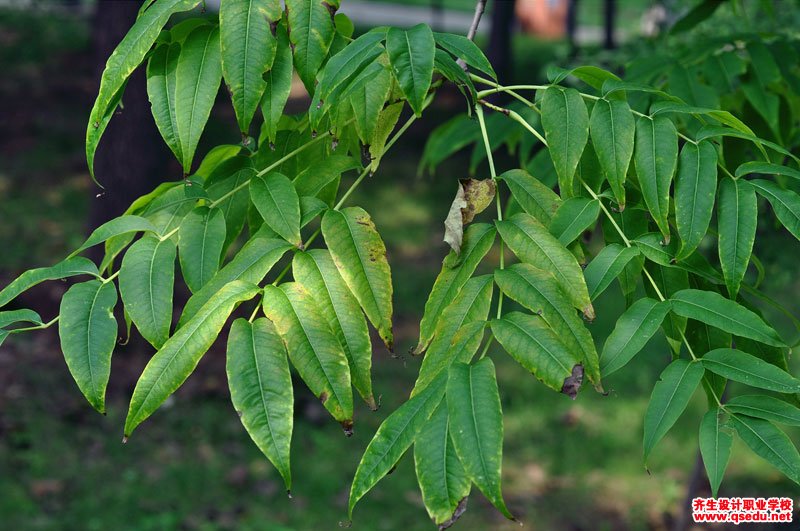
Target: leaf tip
x,y
125,439
370,400
347,426
588,313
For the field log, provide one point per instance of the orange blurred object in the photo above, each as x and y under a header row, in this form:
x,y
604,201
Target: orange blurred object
x,y
544,18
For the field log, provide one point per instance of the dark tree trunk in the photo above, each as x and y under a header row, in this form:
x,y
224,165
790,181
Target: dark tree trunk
x,y
572,27
131,159
499,52
609,16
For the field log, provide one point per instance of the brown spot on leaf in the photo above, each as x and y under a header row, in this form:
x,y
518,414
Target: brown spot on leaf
x,y
273,27
323,397
460,509
573,382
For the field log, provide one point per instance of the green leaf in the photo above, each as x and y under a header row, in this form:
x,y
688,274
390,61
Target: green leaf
x,y
453,339
765,407
411,54
251,264
317,273
533,196
441,476
311,31
321,178
711,131
167,211
533,244
276,200
466,50
473,406
695,188
360,256
632,332
394,436
769,443
456,271
747,369
591,75
535,346
715,447
161,70
313,348
175,361
612,128
766,168
669,281
197,80
447,67
715,310
538,291
278,85
785,204
700,12
200,241
146,280
115,227
764,65
368,101
566,127
737,219
386,123
613,86
652,247
88,333
606,266
128,54
18,316
573,217
450,137
70,267
656,155
345,65
310,208
248,50
671,395
261,389
723,117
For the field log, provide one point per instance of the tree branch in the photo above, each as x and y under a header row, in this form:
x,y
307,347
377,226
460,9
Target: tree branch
x,y
480,7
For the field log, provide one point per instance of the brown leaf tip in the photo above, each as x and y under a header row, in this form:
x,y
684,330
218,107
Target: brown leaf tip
x,y
460,509
347,426
573,382
124,439
588,313
371,403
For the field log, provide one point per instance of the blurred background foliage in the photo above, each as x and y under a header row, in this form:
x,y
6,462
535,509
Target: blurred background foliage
x,y
567,465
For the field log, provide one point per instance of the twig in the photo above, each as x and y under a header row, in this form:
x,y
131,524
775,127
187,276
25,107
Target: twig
x,y
480,7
